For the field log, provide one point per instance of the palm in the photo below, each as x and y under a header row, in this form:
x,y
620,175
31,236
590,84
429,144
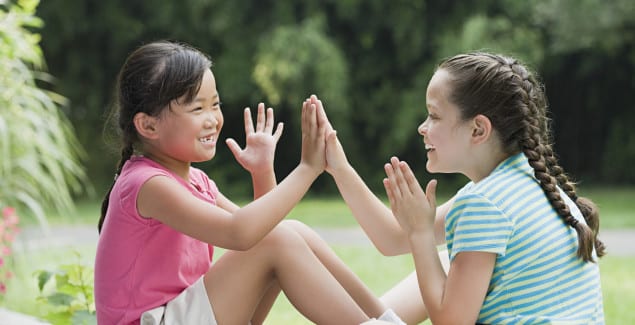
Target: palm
x,y
411,206
261,142
259,152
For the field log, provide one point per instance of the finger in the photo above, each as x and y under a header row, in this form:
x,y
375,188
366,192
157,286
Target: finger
x,y
278,133
389,191
313,120
321,116
305,117
331,137
269,121
409,176
431,193
260,118
390,173
400,182
249,126
233,147
392,200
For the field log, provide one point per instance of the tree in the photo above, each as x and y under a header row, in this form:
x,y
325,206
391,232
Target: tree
x,y
39,153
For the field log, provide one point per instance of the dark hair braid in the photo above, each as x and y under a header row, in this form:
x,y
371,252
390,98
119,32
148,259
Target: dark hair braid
x,y
540,154
514,100
126,153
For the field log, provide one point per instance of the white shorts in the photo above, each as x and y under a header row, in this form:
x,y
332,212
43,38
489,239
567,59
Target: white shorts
x,y
190,307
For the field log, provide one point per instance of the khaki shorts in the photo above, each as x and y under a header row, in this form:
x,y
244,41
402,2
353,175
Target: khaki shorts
x,y
190,307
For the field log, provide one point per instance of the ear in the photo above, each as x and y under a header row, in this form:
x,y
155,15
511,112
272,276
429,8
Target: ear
x,y
481,129
146,125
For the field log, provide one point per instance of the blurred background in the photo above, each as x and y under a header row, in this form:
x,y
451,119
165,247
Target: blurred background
x,y
369,61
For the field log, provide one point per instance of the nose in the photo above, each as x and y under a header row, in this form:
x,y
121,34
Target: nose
x,y
423,127
211,120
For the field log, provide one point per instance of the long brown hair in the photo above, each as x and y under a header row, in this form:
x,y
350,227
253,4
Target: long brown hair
x,y
505,91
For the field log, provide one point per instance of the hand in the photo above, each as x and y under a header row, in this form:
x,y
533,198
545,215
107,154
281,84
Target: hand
x,y
413,208
314,126
259,153
335,155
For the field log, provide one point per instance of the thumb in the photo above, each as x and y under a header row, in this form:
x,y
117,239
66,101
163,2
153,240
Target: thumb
x,y
331,137
233,147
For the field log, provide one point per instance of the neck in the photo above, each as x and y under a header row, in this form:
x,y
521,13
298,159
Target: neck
x,y
179,168
483,162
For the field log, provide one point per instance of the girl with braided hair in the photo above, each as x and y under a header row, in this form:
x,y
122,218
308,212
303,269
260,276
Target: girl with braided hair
x,y
163,217
522,245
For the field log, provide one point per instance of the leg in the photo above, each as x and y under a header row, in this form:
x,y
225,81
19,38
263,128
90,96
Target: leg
x,y
405,297
238,281
362,295
267,301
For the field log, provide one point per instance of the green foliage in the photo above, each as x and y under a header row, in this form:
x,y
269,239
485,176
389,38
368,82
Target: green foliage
x,y
69,291
39,153
369,60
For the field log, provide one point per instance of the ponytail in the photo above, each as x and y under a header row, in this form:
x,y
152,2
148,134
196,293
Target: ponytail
x,y
126,153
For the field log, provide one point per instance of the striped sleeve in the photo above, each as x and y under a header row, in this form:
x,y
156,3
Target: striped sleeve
x,y
476,224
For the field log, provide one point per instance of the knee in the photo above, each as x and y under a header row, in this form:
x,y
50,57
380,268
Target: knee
x,y
295,225
283,237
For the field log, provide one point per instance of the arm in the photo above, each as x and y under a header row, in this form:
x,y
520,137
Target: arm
x,y
163,199
371,213
453,299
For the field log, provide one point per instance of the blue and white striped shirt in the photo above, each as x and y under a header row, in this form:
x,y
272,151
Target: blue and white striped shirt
x,y
537,279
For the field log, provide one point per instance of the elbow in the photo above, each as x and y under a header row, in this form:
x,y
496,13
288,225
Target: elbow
x,y
390,249
240,238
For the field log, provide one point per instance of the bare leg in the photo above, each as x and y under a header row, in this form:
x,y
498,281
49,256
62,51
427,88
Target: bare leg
x,y
267,301
238,281
362,295
405,297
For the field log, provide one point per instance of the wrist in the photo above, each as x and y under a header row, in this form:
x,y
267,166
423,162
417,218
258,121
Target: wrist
x,y
341,171
422,238
306,169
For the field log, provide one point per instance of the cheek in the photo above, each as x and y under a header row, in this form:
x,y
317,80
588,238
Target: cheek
x,y
221,120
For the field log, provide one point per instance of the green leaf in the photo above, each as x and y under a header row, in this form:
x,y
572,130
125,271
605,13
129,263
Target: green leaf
x,y
83,317
42,278
60,299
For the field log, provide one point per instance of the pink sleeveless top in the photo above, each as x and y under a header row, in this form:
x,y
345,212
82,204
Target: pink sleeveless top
x,y
142,263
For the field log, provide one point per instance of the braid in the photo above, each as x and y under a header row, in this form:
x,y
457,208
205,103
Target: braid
x,y
514,100
588,209
126,153
535,145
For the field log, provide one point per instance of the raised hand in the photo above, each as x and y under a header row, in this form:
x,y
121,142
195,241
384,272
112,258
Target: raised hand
x,y
413,208
259,152
335,155
314,126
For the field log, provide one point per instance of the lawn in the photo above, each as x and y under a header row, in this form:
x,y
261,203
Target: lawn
x,y
377,271
617,210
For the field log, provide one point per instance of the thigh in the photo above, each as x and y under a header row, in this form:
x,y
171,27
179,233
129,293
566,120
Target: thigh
x,y
405,297
237,282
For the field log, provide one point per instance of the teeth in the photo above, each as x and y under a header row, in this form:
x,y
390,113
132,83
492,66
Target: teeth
x,y
428,147
204,140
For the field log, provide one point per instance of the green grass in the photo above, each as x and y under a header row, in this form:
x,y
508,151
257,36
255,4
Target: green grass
x,y
617,210
378,272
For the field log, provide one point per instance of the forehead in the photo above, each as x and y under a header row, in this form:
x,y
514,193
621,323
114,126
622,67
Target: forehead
x,y
438,90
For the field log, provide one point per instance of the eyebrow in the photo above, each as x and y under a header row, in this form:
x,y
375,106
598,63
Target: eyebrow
x,y
202,99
